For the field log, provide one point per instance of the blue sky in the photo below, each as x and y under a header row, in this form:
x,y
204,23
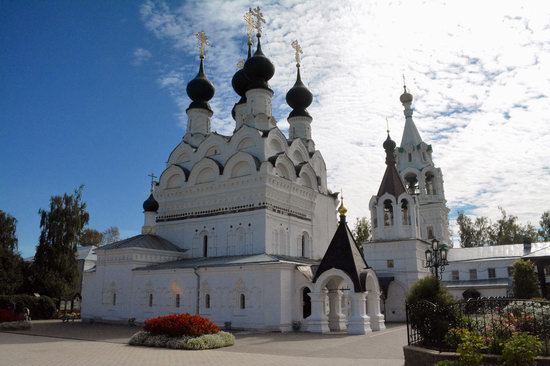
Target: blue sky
x,y
75,110
93,93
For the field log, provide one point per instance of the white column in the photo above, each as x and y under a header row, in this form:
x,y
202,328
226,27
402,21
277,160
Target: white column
x,y
317,322
359,322
374,313
336,320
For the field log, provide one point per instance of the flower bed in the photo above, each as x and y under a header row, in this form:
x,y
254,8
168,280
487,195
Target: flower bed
x,y
181,331
15,325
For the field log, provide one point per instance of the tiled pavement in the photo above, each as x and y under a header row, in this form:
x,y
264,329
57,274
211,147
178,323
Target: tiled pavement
x,y
63,344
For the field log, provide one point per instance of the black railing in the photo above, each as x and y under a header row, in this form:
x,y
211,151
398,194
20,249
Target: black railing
x,y
496,320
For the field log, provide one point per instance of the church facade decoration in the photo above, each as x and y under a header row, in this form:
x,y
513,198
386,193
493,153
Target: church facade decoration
x,y
237,225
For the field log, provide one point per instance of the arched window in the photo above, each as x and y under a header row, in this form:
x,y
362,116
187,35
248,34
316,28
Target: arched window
x,y
150,300
177,300
303,247
114,299
430,183
207,301
306,303
410,157
205,246
412,184
388,213
405,212
243,301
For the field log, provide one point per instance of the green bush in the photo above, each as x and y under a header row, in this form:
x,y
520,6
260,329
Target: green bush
x,y
471,348
429,289
524,280
447,363
40,307
432,310
521,350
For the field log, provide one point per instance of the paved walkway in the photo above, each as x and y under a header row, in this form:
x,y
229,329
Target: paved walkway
x,y
63,344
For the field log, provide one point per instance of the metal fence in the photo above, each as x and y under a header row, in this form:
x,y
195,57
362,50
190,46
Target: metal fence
x,y
496,320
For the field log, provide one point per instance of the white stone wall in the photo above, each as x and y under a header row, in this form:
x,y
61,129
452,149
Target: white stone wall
x,y
407,258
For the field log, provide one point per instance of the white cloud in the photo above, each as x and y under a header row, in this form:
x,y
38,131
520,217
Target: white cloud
x,y
480,75
140,56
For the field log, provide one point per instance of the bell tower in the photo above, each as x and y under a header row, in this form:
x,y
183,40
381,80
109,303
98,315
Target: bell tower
x,y
423,180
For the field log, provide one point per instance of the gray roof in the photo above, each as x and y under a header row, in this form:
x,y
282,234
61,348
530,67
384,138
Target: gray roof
x,y
227,261
146,241
492,252
85,253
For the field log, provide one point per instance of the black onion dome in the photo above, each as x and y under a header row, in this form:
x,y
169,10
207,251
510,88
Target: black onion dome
x,y
389,144
150,204
200,89
299,98
240,83
259,69
406,97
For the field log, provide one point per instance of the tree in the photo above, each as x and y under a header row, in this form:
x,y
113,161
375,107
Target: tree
x,y
362,231
524,280
110,235
506,230
473,233
11,263
55,268
90,237
544,222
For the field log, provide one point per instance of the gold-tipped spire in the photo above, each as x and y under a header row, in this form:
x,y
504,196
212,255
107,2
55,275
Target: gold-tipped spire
x,y
342,210
297,51
202,41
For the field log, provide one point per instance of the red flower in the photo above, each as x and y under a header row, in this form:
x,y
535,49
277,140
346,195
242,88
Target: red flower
x,y
178,325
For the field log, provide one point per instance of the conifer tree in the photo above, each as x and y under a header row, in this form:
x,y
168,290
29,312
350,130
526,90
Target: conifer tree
x,y
55,268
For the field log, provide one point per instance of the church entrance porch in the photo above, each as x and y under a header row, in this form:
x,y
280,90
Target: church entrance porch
x,y
336,307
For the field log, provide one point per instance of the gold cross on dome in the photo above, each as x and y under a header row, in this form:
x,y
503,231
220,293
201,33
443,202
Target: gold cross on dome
x,y
257,19
152,175
298,51
202,41
387,126
249,20
240,64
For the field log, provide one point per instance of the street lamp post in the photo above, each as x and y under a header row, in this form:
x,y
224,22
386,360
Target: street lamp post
x,y
436,259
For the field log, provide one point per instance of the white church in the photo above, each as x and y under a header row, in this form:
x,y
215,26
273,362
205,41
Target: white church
x,y
243,229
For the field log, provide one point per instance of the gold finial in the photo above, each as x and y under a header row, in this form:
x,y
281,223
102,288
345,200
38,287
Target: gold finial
x,y
249,20
255,20
298,51
240,64
342,210
152,175
202,41
387,126
404,83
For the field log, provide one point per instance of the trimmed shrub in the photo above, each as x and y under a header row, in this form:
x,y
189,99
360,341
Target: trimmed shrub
x,y
207,341
40,307
178,325
432,312
521,350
